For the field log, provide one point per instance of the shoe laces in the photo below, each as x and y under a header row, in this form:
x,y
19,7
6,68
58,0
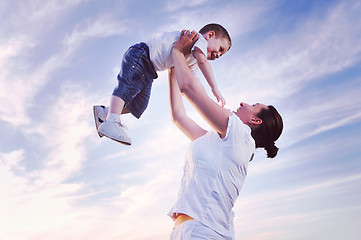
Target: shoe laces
x,y
121,125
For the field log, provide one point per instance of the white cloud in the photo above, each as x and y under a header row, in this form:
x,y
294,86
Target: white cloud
x,y
283,64
172,6
18,89
328,109
279,212
64,131
12,89
38,10
100,28
26,206
237,17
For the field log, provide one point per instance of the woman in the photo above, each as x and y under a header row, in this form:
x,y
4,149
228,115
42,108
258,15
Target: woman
x,y
216,161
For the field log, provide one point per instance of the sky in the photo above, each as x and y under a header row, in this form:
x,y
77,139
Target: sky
x,y
59,180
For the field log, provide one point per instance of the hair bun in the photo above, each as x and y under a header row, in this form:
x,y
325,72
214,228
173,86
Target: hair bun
x,y
271,150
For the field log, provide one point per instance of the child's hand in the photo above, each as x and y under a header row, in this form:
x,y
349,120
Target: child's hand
x,y
219,96
186,41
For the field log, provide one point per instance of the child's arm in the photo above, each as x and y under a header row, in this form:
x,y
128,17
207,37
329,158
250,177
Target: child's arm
x,y
207,72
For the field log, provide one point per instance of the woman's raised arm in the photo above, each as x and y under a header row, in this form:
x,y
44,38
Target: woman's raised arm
x,y
178,113
214,114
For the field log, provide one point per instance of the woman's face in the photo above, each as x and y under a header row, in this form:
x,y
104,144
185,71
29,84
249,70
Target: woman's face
x,y
248,113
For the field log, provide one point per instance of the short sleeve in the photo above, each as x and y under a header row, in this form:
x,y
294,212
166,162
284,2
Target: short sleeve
x,y
237,131
202,44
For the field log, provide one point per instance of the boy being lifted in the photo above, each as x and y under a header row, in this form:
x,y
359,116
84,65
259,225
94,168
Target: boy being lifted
x,y
139,68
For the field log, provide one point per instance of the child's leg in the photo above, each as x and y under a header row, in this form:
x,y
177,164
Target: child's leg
x,y
116,105
136,76
112,126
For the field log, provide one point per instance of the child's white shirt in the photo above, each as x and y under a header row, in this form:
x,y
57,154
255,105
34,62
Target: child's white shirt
x,y
160,49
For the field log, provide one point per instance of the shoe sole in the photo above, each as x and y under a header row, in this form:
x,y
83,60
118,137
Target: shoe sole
x,y
97,120
125,143
122,142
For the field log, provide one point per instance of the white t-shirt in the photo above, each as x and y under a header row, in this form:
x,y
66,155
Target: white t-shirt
x,y
160,48
214,172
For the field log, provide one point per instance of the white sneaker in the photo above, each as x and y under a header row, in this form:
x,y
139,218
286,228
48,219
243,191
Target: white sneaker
x,y
115,130
100,114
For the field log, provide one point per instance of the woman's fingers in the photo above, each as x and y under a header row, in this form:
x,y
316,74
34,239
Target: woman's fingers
x,y
194,35
191,34
186,41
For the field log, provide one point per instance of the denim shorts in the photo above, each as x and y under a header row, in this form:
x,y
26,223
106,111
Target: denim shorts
x,y
195,230
135,79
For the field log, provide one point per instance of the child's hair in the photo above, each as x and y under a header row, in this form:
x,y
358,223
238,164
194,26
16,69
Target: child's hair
x,y
218,30
269,131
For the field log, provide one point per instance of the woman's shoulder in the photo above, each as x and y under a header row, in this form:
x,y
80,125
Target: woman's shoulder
x,y
236,128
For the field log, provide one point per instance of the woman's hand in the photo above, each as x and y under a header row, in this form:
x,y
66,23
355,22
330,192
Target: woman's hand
x,y
186,41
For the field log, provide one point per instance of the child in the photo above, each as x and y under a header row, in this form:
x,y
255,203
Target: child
x,y
139,68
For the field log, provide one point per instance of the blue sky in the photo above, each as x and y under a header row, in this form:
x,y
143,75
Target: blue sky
x,y
59,180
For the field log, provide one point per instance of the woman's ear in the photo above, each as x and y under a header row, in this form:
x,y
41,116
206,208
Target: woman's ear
x,y
255,121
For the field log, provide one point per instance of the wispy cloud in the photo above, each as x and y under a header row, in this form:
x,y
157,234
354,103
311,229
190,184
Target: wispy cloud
x,y
170,6
285,63
100,28
18,94
34,18
237,17
267,210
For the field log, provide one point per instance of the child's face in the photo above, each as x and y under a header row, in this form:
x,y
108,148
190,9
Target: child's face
x,y
217,46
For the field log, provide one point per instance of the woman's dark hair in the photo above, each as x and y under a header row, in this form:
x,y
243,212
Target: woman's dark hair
x,y
268,131
219,30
